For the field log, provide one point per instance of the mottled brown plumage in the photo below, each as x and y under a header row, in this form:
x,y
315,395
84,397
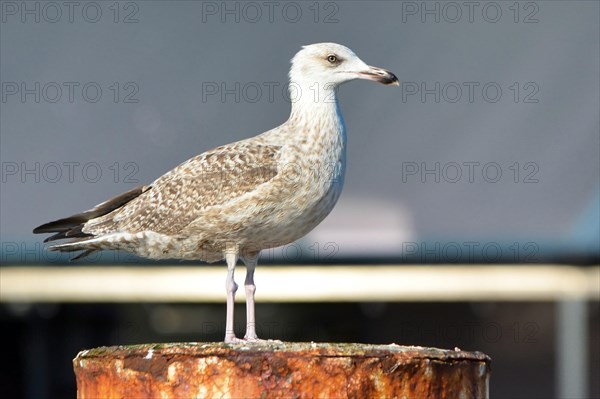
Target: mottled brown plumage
x,y
181,196
237,199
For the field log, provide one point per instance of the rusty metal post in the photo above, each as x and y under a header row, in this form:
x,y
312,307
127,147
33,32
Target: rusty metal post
x,y
276,370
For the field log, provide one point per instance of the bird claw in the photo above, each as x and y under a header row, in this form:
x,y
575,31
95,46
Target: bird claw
x,y
232,339
255,340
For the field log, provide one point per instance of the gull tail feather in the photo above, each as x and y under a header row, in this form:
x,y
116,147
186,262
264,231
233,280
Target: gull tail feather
x,y
72,227
88,245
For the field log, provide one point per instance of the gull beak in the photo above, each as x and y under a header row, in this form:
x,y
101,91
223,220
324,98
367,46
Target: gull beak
x,y
379,75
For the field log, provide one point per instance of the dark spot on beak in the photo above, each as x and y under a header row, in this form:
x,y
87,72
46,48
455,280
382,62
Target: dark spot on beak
x,y
381,76
389,79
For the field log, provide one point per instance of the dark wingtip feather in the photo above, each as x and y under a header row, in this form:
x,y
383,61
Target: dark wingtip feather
x,y
67,249
56,236
75,232
83,254
61,225
72,225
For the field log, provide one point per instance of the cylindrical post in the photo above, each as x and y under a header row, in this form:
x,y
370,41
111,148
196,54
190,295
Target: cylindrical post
x,y
275,370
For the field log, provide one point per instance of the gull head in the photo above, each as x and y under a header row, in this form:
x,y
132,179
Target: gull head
x,y
330,64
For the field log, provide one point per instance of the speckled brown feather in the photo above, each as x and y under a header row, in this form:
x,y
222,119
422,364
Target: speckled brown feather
x,y
180,196
258,193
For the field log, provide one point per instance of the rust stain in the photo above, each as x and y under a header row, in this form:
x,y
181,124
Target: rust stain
x,y
275,370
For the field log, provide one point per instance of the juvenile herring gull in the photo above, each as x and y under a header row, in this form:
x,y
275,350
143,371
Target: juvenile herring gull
x,y
237,199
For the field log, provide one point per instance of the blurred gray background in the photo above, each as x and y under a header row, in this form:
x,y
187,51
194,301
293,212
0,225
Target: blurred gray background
x,y
492,139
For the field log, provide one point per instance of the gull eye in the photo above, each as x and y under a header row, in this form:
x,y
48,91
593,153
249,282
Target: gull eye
x,y
332,58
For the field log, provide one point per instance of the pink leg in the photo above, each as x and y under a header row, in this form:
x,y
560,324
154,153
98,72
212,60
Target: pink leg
x,y
250,288
231,287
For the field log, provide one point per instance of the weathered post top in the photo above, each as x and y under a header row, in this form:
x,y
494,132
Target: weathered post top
x,y
276,369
